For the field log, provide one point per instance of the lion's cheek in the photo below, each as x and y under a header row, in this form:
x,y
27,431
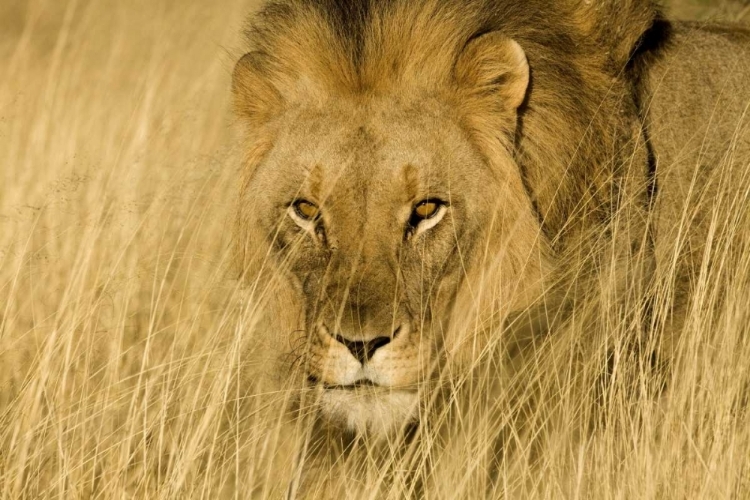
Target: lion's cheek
x,y
331,363
402,367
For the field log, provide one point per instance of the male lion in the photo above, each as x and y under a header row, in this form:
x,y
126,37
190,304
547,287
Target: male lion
x,y
419,174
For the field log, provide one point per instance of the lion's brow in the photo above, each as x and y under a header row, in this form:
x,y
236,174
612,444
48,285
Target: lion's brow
x,y
411,180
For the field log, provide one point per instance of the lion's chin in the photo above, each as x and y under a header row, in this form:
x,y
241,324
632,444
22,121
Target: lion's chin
x,y
368,411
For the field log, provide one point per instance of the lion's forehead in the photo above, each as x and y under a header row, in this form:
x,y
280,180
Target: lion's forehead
x,y
346,148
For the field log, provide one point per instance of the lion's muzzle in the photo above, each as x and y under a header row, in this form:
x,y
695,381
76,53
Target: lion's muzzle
x,y
366,383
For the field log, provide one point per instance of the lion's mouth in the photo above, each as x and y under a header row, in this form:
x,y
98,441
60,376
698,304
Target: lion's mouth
x,y
359,384
363,384
365,406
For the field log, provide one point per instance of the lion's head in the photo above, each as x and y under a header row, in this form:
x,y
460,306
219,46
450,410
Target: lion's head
x,y
398,187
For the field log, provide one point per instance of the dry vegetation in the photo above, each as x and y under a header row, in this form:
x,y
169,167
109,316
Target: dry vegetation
x,y
122,334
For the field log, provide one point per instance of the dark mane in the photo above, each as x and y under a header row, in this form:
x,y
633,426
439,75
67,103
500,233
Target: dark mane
x,y
577,141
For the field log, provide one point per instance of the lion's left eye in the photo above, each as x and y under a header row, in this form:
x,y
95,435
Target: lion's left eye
x,y
427,209
426,215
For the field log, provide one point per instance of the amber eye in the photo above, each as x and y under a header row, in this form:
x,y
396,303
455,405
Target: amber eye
x,y
306,210
426,210
425,215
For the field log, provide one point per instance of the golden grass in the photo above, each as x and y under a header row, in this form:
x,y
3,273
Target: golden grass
x,y
122,334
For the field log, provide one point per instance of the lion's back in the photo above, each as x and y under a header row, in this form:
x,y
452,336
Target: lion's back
x,y
697,110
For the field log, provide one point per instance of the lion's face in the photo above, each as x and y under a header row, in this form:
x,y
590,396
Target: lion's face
x,y
371,207
374,212
391,221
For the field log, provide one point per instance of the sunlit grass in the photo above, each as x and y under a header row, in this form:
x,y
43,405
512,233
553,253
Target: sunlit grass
x,y
126,366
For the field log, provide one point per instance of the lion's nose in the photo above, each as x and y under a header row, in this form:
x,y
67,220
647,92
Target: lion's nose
x,y
364,350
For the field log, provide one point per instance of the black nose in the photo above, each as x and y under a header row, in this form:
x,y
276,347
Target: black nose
x,y
362,350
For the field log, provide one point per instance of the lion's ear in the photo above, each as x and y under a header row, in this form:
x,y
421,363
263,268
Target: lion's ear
x,y
493,65
256,99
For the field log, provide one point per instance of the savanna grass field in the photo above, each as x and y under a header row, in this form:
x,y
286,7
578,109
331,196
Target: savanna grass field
x,y
124,333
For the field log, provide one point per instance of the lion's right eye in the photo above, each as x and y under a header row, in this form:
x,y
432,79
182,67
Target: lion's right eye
x,y
307,215
306,210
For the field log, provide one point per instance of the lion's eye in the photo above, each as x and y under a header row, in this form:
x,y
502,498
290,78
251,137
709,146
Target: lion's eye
x,y
426,215
307,215
306,210
427,209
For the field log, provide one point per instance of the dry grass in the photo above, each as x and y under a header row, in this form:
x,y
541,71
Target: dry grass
x,y
122,334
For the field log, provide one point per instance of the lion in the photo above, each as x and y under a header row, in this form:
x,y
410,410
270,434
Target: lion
x,y
419,173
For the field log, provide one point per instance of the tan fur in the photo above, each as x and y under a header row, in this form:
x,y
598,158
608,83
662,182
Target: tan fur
x,y
540,122
697,101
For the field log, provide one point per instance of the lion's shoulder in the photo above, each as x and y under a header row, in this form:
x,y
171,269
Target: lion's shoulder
x,y
695,92
695,97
